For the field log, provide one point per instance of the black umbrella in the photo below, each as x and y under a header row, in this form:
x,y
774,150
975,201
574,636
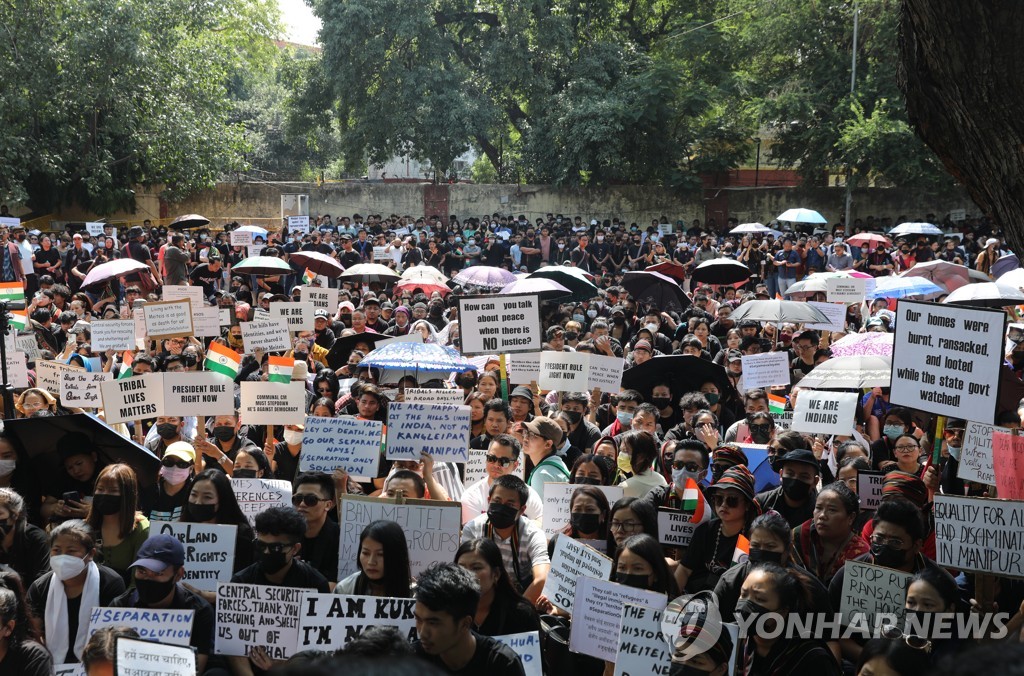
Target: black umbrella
x,y
655,290
721,271
189,221
46,442
682,373
342,348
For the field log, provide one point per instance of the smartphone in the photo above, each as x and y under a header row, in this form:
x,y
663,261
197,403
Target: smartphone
x,y
73,496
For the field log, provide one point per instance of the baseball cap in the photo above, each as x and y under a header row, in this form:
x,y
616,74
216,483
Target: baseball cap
x,y
181,449
321,314
546,428
522,391
160,551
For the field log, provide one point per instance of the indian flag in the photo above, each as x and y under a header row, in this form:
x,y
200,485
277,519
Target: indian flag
x,y
308,276
693,501
12,292
279,369
776,404
223,360
742,551
19,319
126,365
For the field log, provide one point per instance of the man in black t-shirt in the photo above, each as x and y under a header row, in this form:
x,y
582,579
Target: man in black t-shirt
x,y
208,275
313,497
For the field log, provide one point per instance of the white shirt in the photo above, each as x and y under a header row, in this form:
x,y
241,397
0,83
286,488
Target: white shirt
x,y
533,546
26,257
476,498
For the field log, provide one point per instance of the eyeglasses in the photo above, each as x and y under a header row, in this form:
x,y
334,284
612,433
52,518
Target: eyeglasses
x,y
915,642
688,466
625,526
175,462
882,541
272,547
493,459
905,448
730,501
307,499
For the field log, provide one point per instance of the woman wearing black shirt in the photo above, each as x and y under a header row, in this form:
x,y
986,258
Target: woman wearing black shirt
x,y
502,610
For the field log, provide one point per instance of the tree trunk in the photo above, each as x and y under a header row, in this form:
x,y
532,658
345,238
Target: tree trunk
x,y
963,78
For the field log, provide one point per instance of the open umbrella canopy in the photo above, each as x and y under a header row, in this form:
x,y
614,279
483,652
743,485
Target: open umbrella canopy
x,y
873,343
669,269
850,373
428,284
869,238
189,221
817,282
946,274
801,215
263,266
484,276
904,287
571,278
103,273
547,289
422,271
721,271
750,228
1005,264
1013,278
256,230
339,353
655,290
987,294
915,229
318,263
779,311
423,357
682,373
365,273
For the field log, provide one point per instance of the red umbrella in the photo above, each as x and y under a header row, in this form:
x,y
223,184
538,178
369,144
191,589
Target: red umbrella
x,y
319,263
101,274
868,238
424,284
669,269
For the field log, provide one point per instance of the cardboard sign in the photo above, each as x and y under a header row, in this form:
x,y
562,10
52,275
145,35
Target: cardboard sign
x,y
435,396
135,398
198,393
819,412
869,488
643,648
241,238
348,443
252,615
557,497
571,560
81,388
321,298
327,622
979,535
256,495
95,229
432,529
836,313
976,454
168,319
30,347
527,646
597,619
381,255
261,315
137,658
48,375
524,368
1008,465
845,289
299,316
765,370
163,626
274,403
675,527
112,334
206,322
579,372
298,224
946,359
869,590
500,324
441,431
266,336
209,550
193,294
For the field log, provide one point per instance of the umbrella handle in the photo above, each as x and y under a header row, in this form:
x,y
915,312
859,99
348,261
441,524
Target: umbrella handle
x,y
138,432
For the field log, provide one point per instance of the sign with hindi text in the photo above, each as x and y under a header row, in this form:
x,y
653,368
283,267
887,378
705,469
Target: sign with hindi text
x,y
138,658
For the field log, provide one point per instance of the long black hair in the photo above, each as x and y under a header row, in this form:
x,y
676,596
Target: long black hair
x,y
506,596
648,549
14,607
397,572
228,511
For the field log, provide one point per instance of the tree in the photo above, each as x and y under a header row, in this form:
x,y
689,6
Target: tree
x,y
963,84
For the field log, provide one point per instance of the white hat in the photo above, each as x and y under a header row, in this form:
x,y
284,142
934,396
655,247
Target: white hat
x,y
593,221
991,241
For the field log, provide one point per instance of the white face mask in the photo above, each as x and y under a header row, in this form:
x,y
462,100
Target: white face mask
x,y
293,437
66,567
7,467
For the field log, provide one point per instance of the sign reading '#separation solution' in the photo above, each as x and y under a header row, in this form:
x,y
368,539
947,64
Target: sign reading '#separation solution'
x,y
500,324
946,359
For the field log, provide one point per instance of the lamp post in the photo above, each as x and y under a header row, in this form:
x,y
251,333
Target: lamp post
x,y
853,85
757,165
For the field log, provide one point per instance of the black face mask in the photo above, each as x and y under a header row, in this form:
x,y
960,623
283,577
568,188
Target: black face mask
x,y
762,555
152,592
300,356
5,528
661,402
224,433
271,562
794,489
760,434
680,669
167,430
745,608
574,417
587,480
202,512
888,556
501,516
585,523
243,474
106,504
634,581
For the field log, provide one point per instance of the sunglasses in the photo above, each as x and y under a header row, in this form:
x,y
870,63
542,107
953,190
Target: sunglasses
x,y
730,501
688,466
493,459
172,462
307,499
273,547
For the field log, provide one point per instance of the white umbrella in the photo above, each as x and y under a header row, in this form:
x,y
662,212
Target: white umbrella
x,y
801,215
915,229
256,230
986,294
421,271
1013,278
779,311
850,373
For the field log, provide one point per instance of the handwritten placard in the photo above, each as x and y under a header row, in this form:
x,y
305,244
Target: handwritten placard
x,y
252,615
82,388
527,646
836,313
976,453
643,648
869,590
140,658
153,624
571,560
1008,464
266,336
274,403
257,495
135,398
17,369
765,370
597,619
347,443
557,497
30,347
168,319
209,550
299,316
113,334
435,395
241,238
329,621
979,535
193,294
524,368
442,431
48,375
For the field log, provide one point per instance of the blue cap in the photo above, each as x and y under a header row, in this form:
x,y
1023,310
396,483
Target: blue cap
x,y
160,551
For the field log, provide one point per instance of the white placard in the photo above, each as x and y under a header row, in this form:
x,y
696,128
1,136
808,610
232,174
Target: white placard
x,y
274,403
765,369
527,646
579,372
435,395
298,224
95,229
17,369
381,255
241,238
980,535
9,221
869,488
48,375
343,442
606,372
597,619
81,389
209,550
869,590
261,315
252,615
168,319
957,215
153,624
256,250
257,495
112,334
205,393
68,670
136,658
225,315
269,336
500,324
206,322
845,289
139,317
820,412
193,294
524,368
946,359
432,529
643,648
836,313
675,527
327,622
134,398
30,347
556,503
976,453
570,561
441,431
476,467
299,316
322,298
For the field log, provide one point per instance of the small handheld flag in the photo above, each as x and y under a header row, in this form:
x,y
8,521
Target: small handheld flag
x,y
126,365
223,360
279,369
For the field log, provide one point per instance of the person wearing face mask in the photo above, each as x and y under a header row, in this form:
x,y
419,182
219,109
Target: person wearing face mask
x,y
64,599
285,454
701,660
896,423
211,500
761,427
502,610
688,460
157,572
826,541
592,470
23,546
176,471
114,516
168,430
640,563
220,449
795,498
588,516
725,456
582,433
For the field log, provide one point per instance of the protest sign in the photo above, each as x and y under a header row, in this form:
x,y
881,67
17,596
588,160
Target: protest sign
x,y
241,238
819,412
500,324
209,550
138,316
298,224
347,443
321,298
869,488
597,615
476,467
68,670
570,561
606,372
957,215
976,453
1008,464
765,370
168,319
783,421
17,369
527,646
845,289
441,431
256,495
869,590
327,622
82,388
523,368
675,527
299,316
432,529
252,615
224,316
48,374
274,403
642,648
94,228
556,503
268,336
979,535
135,398
836,314
153,624
435,396
28,345
579,372
946,359
193,294
112,334
143,658
206,322
381,255
200,394
261,315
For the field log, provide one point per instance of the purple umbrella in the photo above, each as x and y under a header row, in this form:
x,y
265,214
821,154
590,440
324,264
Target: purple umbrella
x,y
872,344
486,276
101,274
547,289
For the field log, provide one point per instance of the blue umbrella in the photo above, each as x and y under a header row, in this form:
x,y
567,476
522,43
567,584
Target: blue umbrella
x,y
902,287
418,357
